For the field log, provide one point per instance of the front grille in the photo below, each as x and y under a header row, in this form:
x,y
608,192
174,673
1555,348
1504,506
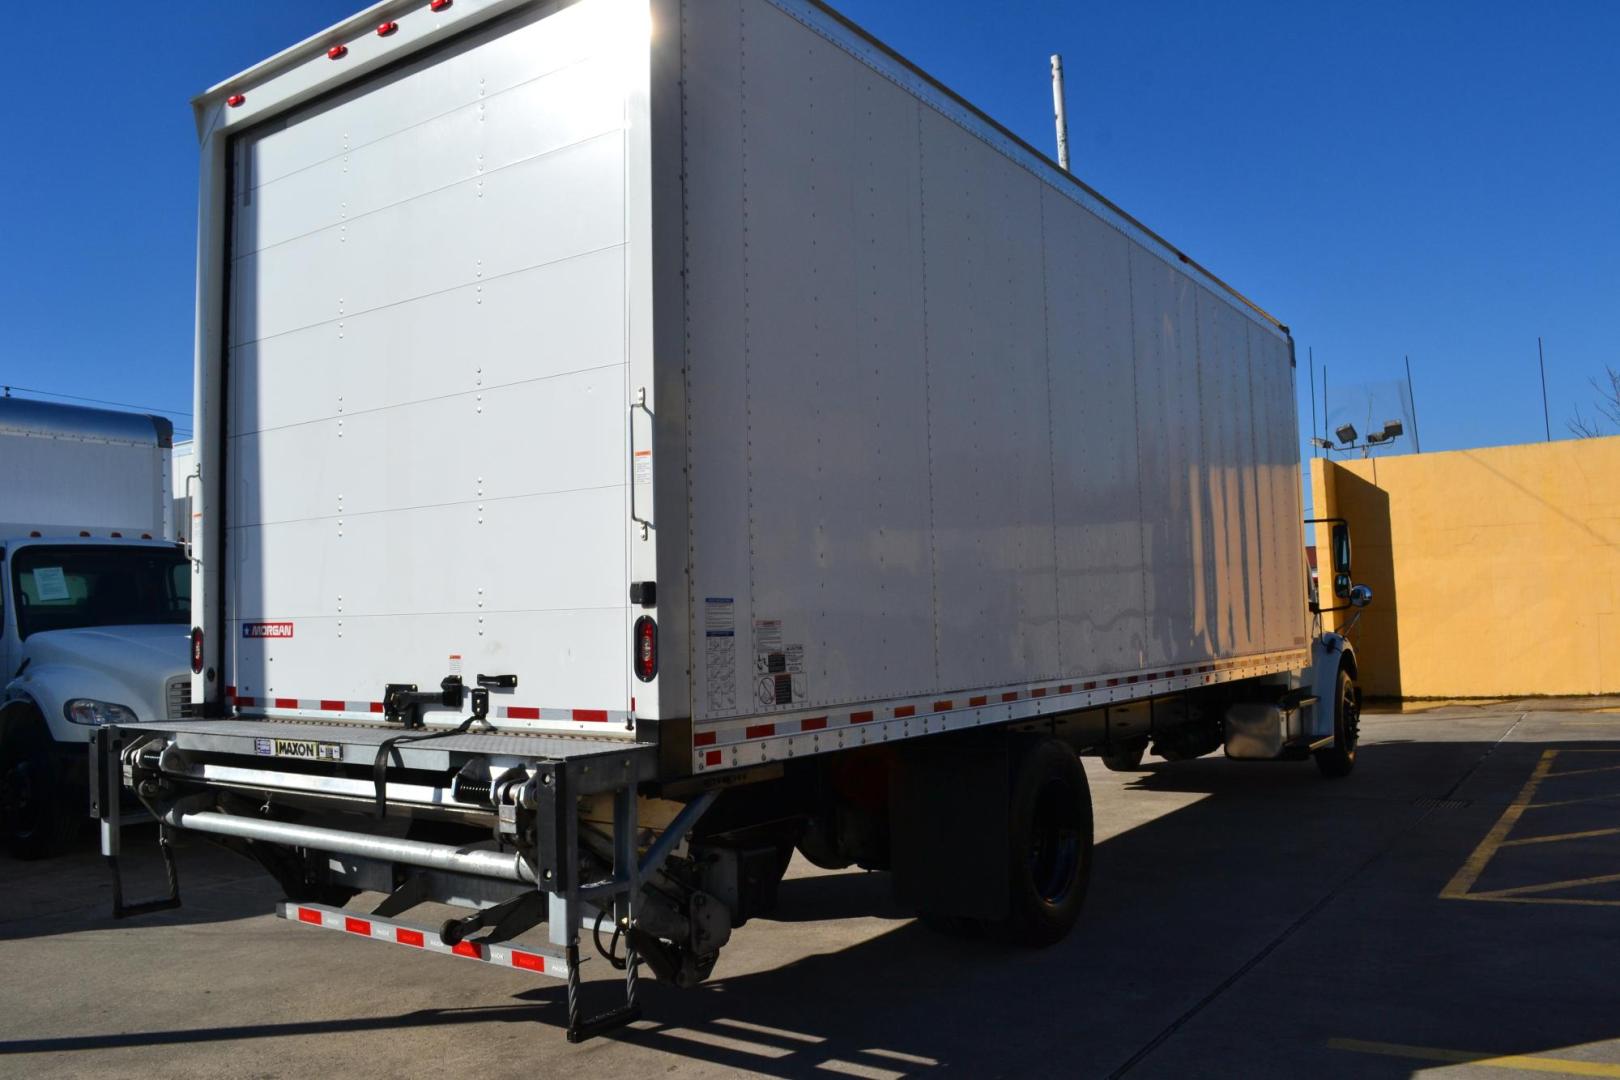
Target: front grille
x,y
179,700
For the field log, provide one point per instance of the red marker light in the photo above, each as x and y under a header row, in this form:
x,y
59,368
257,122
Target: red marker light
x,y
645,648
387,28
439,5
235,99
196,650
116,535
337,52
83,533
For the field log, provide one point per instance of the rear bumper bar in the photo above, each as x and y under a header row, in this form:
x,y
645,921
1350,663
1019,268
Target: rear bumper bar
x,y
525,958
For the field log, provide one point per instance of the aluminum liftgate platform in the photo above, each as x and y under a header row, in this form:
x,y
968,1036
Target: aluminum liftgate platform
x,y
547,775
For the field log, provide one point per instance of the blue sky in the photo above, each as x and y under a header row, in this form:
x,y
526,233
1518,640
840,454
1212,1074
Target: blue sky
x,y
1436,179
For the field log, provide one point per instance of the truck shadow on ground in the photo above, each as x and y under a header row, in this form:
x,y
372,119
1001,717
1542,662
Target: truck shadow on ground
x,y
73,891
1258,892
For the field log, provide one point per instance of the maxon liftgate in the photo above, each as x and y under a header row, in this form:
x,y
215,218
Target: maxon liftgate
x,y
541,864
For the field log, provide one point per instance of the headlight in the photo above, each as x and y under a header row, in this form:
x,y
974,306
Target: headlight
x,y
94,713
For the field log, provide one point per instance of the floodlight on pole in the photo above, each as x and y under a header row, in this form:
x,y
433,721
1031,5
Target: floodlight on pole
x,y
1345,433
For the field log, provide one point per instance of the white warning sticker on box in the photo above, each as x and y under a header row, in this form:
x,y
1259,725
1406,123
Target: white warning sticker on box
x,y
779,671
720,652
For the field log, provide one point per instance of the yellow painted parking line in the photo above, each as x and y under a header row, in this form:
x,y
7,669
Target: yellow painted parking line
x,y
1565,1066
1586,834
1496,898
1553,886
1585,772
1463,881
1573,802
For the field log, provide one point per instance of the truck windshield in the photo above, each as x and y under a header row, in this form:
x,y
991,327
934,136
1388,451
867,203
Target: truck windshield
x,y
74,586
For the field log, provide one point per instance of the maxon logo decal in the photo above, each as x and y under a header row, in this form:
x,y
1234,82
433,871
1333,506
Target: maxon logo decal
x,y
267,629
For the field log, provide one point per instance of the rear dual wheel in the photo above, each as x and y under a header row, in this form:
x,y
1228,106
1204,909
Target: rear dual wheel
x,y
1048,853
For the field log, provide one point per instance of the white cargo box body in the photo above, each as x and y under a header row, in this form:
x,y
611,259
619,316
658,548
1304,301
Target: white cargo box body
x,y
67,469
934,436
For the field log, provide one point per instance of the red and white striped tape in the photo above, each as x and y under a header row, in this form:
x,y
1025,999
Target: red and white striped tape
x,y
770,739
377,929
368,708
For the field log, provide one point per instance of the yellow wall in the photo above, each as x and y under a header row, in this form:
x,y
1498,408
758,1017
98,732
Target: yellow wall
x,y
1494,572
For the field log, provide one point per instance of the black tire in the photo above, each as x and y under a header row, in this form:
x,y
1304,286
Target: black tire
x,y
1125,756
1340,758
1050,842
819,844
36,807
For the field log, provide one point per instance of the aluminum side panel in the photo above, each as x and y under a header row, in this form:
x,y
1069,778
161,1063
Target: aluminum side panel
x,y
1282,533
1232,600
835,368
989,424
719,427
1170,453
949,429
1096,482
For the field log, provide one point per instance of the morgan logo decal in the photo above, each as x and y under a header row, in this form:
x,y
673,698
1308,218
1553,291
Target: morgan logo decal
x,y
267,629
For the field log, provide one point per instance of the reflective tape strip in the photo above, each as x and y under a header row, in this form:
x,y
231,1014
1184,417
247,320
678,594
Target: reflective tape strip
x,y
502,954
504,712
326,705
575,716
751,740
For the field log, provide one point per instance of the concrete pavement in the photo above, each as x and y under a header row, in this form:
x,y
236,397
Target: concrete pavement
x,y
1454,905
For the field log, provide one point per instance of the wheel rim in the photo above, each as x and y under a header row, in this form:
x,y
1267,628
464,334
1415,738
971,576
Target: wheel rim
x,y
19,796
1054,852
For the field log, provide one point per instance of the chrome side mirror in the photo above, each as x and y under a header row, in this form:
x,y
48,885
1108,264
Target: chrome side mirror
x,y
1360,596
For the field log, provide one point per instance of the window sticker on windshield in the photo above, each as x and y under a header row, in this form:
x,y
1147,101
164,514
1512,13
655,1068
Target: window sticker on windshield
x,y
50,583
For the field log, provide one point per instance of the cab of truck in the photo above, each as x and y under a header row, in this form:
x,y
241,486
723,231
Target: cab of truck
x,y
94,603
94,633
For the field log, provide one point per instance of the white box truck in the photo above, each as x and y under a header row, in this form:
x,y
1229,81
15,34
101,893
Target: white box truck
x,y
639,438
183,475
94,604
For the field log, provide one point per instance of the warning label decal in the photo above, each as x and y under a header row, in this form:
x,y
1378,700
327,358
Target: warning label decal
x,y
720,651
779,674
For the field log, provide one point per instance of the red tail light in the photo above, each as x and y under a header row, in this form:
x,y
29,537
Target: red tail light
x,y
646,648
196,650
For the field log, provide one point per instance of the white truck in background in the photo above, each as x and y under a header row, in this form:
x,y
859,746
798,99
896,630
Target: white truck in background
x,y
93,603
183,476
641,438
